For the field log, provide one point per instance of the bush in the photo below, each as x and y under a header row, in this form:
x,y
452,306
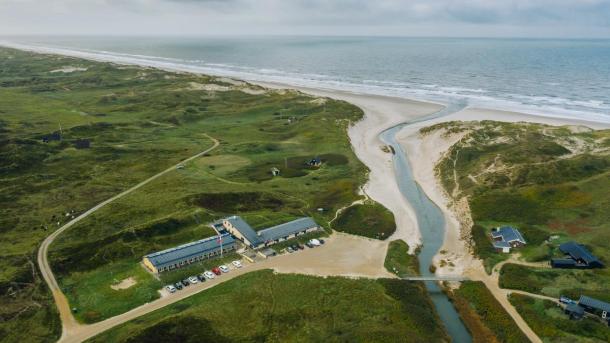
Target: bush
x,y
506,206
369,220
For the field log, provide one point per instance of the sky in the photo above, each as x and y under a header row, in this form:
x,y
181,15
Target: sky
x,y
467,18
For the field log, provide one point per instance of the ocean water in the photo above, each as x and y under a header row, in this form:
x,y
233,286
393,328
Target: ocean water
x,y
542,76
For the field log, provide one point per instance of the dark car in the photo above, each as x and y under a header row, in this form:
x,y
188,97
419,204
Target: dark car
x,y
216,271
201,277
186,282
321,241
309,245
301,246
178,285
295,247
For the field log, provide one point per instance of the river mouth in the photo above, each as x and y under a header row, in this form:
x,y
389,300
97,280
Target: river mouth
x,y
430,220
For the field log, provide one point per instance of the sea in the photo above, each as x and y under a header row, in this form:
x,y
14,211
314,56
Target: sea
x,y
553,77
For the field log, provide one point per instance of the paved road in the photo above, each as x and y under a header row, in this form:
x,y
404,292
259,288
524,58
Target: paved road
x,y
69,323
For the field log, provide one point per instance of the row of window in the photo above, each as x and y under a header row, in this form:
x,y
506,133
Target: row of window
x,y
196,258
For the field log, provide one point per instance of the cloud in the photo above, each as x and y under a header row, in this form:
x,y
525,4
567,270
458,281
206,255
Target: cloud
x,y
389,17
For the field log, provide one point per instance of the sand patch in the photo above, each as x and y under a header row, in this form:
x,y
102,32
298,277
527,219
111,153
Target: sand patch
x,y
124,284
211,87
68,69
231,81
253,91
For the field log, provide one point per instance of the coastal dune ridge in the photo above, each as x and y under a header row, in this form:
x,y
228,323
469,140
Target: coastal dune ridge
x,y
535,104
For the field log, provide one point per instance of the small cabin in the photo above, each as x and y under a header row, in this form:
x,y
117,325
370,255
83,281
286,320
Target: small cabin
x,y
315,162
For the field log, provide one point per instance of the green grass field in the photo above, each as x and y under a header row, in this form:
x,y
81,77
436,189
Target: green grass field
x,y
550,182
263,306
71,140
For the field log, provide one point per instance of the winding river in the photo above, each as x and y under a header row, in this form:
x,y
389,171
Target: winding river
x,y
430,220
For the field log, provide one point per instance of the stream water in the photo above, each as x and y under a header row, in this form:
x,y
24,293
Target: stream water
x,y
431,223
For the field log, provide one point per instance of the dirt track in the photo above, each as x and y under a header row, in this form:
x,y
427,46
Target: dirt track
x,y
342,255
69,324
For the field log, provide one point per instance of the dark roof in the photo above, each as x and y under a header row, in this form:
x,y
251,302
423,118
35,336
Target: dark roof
x,y
245,229
575,308
187,251
501,244
594,303
286,229
508,234
563,262
579,252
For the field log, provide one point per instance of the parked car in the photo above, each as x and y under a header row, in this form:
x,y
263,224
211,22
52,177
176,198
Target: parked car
x,y
186,282
170,288
321,241
236,264
209,275
565,300
315,242
216,271
295,247
309,245
224,269
290,250
178,285
193,280
201,277
300,246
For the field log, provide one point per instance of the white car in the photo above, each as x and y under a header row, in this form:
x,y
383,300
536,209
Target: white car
x,y
236,264
315,242
224,269
170,288
209,274
193,280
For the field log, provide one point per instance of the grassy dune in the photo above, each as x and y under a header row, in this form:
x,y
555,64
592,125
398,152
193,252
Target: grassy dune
x,y
292,308
122,124
399,261
547,181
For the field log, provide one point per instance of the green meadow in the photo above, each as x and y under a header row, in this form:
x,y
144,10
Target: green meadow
x,y
552,183
70,139
263,306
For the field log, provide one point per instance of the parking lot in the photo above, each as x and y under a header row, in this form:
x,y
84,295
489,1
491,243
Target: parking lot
x,y
216,274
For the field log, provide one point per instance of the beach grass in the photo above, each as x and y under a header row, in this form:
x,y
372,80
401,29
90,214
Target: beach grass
x,y
399,261
291,308
483,315
371,220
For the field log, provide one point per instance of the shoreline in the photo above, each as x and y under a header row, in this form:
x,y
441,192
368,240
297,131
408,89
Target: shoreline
x,y
380,113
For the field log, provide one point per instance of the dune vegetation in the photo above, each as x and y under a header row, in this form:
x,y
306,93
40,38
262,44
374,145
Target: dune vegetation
x,y
289,308
552,183
75,132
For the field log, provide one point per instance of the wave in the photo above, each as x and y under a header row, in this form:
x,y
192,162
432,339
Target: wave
x,y
592,110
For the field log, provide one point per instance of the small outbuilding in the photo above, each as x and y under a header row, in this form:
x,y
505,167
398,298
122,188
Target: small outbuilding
x,y
315,162
275,171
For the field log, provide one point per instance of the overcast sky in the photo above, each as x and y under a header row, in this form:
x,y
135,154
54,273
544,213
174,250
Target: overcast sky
x,y
481,18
